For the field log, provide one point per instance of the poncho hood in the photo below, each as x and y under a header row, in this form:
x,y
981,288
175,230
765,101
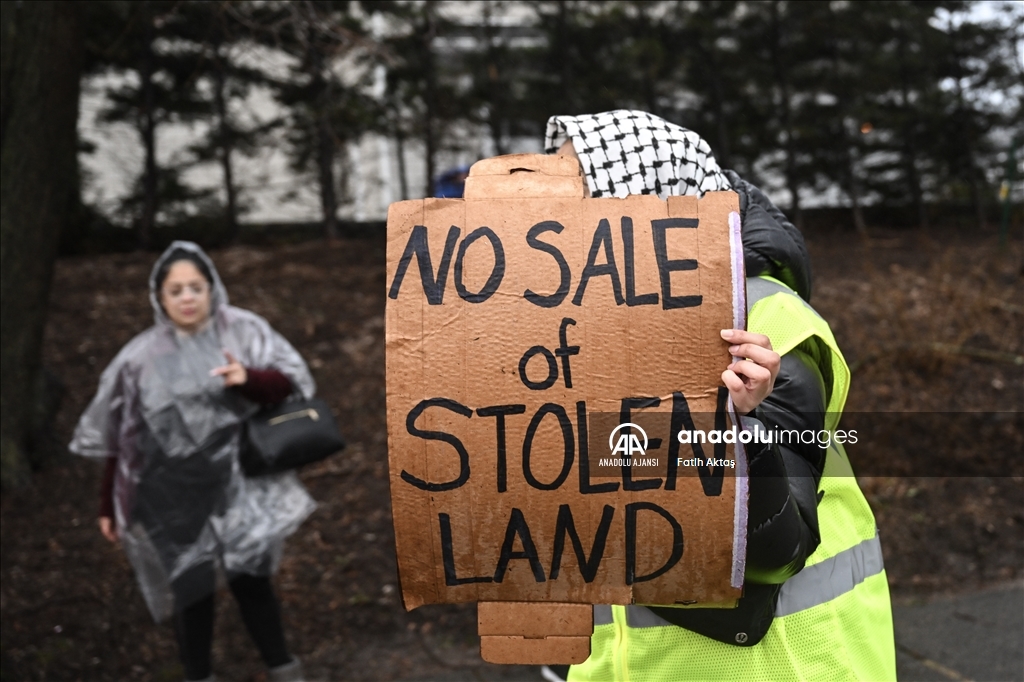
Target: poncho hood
x,y
218,293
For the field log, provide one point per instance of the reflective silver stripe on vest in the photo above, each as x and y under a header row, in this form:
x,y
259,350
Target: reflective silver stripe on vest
x,y
813,586
643,617
828,579
636,617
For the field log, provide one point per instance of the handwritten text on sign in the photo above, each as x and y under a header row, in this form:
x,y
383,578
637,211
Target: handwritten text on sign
x,y
512,325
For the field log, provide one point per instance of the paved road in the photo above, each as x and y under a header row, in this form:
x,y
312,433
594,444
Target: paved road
x,y
977,636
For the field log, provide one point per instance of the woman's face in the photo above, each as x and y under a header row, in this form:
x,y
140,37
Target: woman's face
x,y
185,296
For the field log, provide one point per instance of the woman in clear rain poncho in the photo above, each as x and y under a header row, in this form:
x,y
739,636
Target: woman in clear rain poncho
x,y
167,418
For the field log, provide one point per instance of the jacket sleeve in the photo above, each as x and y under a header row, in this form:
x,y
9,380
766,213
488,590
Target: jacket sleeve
x,y
771,244
265,386
782,529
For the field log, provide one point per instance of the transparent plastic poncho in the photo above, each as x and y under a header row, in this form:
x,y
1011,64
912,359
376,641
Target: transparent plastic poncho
x,y
182,505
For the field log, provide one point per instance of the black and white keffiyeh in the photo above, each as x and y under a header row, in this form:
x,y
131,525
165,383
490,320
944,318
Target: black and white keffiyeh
x,y
627,152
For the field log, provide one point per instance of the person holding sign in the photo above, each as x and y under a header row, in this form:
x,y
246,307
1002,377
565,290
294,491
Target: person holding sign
x,y
815,603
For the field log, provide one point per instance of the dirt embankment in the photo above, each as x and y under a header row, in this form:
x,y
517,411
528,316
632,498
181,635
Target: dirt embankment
x,y
930,323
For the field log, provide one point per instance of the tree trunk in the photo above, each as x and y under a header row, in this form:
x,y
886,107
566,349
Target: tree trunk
x,y
913,178
147,130
787,117
42,59
978,198
429,127
853,191
225,133
970,172
325,147
403,178
848,173
325,165
496,88
566,84
494,118
709,58
649,79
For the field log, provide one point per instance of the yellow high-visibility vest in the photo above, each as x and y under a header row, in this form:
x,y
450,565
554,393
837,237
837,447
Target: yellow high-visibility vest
x,y
833,620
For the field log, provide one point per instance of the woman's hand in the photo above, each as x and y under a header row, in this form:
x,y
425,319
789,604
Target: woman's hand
x,y
750,381
234,372
108,528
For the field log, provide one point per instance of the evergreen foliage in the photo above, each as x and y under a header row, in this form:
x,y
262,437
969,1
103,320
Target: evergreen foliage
x,y
895,103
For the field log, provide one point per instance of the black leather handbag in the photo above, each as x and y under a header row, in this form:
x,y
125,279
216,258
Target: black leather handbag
x,y
288,436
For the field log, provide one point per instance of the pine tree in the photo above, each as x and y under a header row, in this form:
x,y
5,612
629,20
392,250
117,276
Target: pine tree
x,y
325,91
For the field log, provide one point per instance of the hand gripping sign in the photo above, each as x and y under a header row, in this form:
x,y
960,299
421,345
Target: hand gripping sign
x,y
525,324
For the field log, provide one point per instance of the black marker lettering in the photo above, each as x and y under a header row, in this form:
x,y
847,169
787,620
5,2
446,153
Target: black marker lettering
x,y
666,266
586,487
517,526
564,350
677,542
569,451
410,426
433,287
564,526
680,419
556,298
499,412
625,416
627,246
549,380
448,557
710,478
602,237
497,272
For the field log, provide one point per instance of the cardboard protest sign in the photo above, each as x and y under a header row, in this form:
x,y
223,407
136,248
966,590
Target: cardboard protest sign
x,y
539,345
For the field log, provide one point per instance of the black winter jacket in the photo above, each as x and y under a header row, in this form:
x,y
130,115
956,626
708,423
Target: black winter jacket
x,y
782,528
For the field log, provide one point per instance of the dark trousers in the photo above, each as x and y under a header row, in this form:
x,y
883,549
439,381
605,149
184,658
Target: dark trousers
x,y
261,613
